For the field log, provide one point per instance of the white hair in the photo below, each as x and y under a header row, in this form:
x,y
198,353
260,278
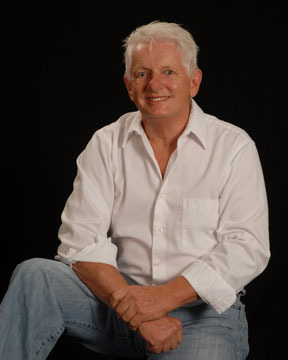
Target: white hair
x,y
157,30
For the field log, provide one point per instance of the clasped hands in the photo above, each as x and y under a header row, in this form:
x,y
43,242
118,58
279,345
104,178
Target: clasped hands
x,y
145,308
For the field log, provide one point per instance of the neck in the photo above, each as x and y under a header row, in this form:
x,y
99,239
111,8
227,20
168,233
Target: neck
x,y
165,130
165,135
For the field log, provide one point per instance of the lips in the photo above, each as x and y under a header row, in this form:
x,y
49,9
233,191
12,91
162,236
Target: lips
x,y
157,99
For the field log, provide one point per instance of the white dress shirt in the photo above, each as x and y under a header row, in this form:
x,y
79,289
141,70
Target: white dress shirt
x,y
206,220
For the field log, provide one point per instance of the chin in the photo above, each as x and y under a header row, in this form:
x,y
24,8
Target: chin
x,y
155,116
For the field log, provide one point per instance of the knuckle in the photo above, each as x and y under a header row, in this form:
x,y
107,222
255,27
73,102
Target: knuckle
x,y
115,294
139,309
135,322
179,326
152,343
174,330
125,318
162,339
113,298
178,322
156,349
137,305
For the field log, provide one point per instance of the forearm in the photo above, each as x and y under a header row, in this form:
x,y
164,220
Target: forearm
x,y
179,292
101,279
137,304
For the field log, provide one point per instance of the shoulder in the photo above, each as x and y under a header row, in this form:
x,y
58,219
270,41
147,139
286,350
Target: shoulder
x,y
119,125
117,130
108,139
230,135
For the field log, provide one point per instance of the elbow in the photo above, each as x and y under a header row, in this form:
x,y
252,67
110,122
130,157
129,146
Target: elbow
x,y
262,260
266,258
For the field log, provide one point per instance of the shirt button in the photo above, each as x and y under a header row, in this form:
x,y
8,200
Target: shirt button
x,y
157,262
160,229
162,195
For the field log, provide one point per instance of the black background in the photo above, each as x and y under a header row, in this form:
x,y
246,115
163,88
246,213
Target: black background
x,y
62,80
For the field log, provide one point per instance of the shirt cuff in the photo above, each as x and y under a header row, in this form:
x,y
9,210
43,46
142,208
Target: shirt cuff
x,y
210,286
98,253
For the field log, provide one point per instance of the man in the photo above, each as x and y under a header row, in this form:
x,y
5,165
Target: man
x,y
166,224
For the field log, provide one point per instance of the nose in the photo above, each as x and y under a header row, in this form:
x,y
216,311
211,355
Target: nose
x,y
155,82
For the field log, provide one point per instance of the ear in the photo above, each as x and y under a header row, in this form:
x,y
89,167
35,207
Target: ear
x,y
195,82
128,87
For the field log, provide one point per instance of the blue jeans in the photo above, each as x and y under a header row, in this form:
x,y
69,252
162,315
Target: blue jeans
x,y
45,298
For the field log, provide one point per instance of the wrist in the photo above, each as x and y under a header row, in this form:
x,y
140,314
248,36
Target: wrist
x,y
179,292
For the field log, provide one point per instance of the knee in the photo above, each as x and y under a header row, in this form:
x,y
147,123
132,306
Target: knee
x,y
32,269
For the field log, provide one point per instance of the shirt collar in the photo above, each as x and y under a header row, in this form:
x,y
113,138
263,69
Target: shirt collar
x,y
133,125
195,126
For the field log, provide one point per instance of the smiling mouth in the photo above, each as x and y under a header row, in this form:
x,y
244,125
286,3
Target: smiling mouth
x,y
157,99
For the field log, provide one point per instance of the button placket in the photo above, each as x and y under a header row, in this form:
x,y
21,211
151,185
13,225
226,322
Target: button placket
x,y
158,237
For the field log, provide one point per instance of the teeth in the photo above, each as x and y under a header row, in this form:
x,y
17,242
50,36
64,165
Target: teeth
x,y
158,98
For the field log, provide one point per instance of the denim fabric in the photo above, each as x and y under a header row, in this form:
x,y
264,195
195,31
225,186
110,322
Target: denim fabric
x,y
46,298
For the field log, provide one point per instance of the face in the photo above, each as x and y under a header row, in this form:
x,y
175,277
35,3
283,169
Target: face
x,y
159,84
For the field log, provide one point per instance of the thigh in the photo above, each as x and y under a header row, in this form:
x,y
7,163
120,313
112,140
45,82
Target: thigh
x,y
85,317
208,335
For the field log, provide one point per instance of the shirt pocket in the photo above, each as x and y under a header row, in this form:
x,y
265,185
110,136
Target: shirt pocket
x,y
200,220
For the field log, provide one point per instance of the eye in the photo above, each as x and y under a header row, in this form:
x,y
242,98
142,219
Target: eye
x,y
170,72
141,74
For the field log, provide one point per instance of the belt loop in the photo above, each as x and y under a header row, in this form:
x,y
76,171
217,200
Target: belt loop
x,y
241,293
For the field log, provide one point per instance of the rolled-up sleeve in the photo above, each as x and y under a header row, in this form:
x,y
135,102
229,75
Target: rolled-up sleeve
x,y
87,213
242,250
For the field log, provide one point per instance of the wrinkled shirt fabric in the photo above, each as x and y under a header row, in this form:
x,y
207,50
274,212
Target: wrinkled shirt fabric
x,y
206,220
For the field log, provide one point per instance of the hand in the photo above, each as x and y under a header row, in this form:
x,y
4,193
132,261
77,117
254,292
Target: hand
x,y
162,335
135,304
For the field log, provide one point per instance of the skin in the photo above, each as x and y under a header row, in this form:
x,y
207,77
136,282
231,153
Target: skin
x,y
161,88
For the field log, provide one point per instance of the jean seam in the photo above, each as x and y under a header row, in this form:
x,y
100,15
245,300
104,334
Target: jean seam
x,y
51,339
237,307
242,327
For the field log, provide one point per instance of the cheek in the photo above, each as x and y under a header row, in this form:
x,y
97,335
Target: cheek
x,y
133,92
136,92
182,91
178,86
187,89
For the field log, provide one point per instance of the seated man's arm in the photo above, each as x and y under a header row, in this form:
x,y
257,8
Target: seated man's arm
x,y
102,279
241,254
136,304
106,282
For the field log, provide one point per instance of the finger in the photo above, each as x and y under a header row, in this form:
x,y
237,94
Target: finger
x,y
180,334
155,348
117,296
122,307
129,314
167,346
135,322
174,343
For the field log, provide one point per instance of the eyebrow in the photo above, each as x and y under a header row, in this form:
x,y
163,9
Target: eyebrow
x,y
172,67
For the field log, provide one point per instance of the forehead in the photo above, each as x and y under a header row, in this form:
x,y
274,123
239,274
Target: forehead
x,y
156,53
